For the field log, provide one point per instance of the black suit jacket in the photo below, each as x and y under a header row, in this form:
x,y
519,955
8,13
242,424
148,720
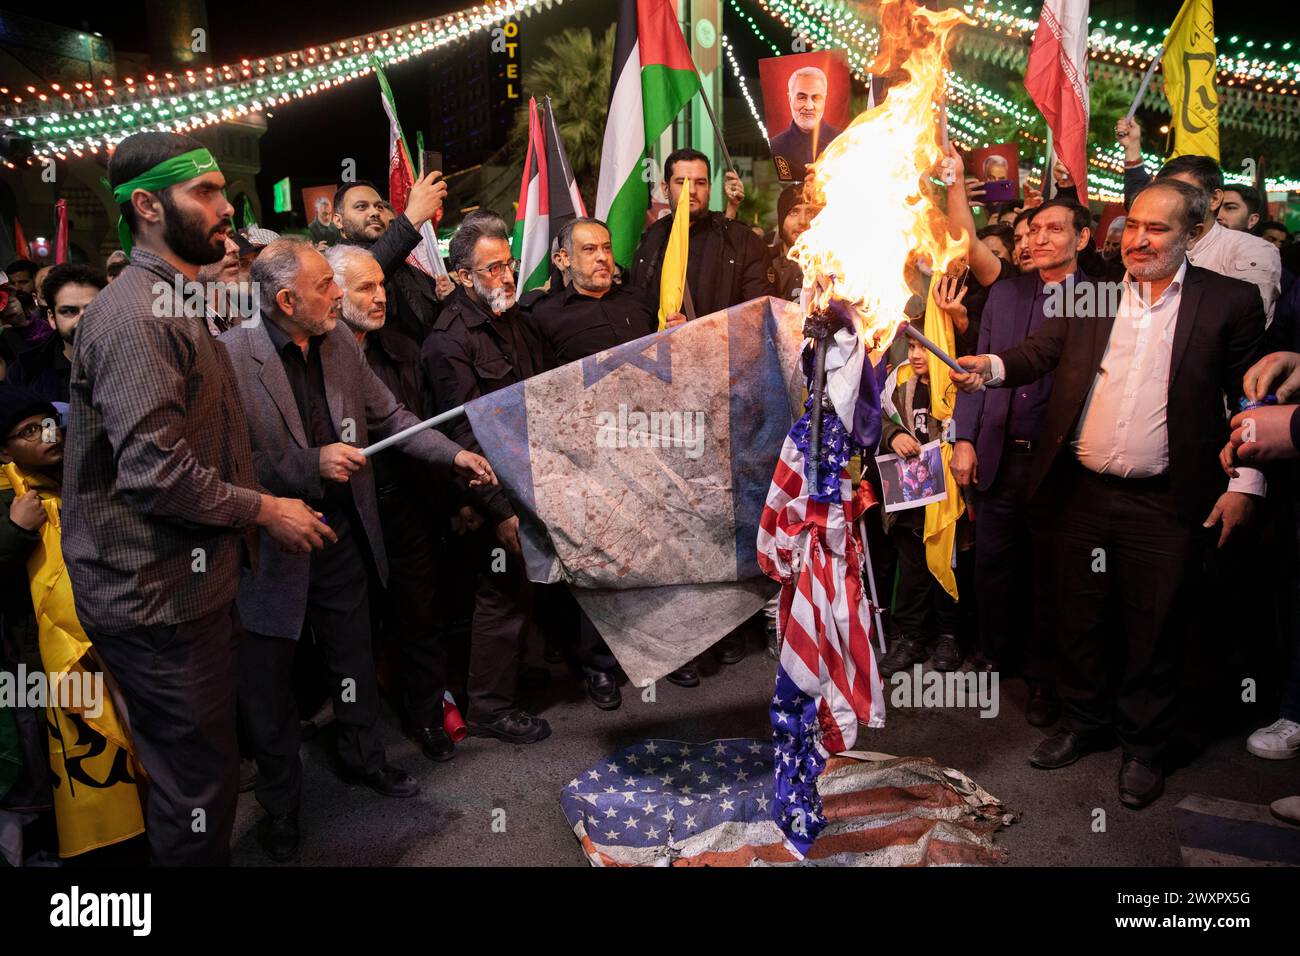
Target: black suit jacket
x,y
735,265
1219,335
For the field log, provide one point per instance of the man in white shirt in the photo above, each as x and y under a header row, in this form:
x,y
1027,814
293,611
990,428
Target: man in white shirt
x,y
1127,461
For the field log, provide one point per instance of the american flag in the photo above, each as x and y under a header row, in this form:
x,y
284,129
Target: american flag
x,y
672,803
826,681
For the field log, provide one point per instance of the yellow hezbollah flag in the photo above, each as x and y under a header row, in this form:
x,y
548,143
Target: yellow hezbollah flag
x,y
941,516
672,280
96,799
1190,64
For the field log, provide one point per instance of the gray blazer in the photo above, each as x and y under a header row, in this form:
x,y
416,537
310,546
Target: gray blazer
x,y
273,599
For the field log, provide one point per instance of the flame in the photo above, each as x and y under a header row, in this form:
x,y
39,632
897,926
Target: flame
x,y
879,218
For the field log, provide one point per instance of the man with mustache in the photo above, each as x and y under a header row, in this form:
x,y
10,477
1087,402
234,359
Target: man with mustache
x,y
590,314
479,344
159,491
1128,459
795,149
365,219
312,404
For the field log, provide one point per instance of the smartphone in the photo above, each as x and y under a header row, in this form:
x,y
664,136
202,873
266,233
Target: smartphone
x,y
432,161
999,190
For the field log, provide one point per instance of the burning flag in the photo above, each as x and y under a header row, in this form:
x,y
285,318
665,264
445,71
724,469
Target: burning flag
x,y
858,292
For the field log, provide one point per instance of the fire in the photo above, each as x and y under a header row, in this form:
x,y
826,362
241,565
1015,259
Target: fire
x,y
879,215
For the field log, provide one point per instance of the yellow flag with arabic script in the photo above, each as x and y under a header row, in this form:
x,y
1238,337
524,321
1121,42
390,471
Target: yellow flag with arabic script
x,y
1190,64
941,516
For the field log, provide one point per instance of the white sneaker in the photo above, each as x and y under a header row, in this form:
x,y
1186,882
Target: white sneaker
x,y
1280,740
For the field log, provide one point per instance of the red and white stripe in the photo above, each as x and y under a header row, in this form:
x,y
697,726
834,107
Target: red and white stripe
x,y
1056,78
813,549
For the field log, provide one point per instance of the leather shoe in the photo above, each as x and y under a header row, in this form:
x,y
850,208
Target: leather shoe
x,y
684,676
516,727
602,688
1065,747
1043,707
1140,782
278,836
902,654
731,649
434,742
389,781
947,656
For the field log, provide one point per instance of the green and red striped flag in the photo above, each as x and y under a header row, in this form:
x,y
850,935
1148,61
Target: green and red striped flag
x,y
653,78
548,197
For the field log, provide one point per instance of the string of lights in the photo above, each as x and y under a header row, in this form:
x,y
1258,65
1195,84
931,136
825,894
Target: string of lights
x,y
744,87
90,117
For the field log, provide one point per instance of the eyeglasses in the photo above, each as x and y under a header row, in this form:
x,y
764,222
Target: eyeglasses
x,y
496,269
33,430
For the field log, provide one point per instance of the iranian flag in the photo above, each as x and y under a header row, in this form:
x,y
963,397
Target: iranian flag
x,y
653,78
1057,81
401,178
548,198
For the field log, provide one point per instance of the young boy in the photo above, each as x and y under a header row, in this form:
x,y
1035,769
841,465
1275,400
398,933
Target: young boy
x,y
96,799
922,610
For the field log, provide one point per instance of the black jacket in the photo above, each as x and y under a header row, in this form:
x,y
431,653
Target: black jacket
x,y
45,370
1218,336
470,353
412,296
733,264
573,325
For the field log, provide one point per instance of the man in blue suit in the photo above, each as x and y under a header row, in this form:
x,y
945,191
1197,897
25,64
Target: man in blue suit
x,y
997,431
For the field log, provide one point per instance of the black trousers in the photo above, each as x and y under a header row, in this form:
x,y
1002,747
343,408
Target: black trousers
x,y
1121,543
179,685
1013,561
409,608
922,608
338,615
567,625
503,601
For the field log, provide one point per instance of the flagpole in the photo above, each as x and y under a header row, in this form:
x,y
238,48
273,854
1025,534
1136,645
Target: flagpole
x,y
1048,179
1146,81
871,581
405,433
717,133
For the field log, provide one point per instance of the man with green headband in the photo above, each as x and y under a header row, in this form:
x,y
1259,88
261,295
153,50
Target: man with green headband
x,y
161,499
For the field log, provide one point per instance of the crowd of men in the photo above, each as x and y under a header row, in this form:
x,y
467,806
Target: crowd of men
x,y
220,522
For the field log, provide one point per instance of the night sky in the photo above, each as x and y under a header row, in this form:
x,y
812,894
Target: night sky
x,y
307,139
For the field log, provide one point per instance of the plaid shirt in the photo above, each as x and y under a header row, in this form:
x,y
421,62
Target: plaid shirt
x,y
158,472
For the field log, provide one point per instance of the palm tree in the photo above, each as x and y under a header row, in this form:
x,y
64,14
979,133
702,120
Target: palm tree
x,y
574,73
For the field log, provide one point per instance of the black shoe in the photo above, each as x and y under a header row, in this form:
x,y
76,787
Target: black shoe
x,y
516,727
434,742
278,836
1140,782
388,782
602,688
684,676
948,656
1065,747
903,653
1043,708
731,649
247,775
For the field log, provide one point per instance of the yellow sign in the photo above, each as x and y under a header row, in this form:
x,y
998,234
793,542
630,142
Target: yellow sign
x,y
1191,65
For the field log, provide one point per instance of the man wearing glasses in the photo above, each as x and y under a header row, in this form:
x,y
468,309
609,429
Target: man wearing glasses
x,y
46,369
480,344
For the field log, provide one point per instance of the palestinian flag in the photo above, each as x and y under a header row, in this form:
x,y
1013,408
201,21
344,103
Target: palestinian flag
x,y
401,178
548,197
653,78
532,238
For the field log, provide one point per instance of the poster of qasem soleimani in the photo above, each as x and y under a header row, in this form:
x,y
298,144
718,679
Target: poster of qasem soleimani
x,y
805,106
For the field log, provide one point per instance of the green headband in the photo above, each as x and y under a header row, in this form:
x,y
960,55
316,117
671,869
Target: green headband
x,y
169,172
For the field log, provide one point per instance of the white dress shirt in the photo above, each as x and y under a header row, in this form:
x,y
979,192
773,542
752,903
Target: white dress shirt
x,y
1124,427
1231,252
